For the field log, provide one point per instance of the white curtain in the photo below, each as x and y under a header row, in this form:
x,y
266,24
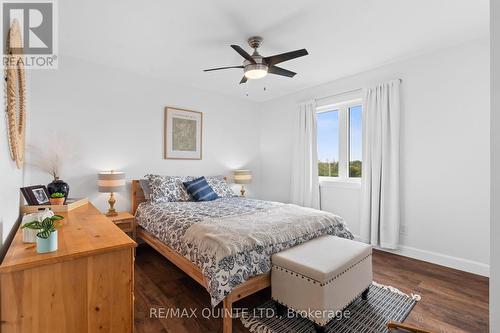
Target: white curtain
x,y
304,182
380,210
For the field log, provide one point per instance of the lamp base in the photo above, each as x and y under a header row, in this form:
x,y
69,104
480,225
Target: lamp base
x,y
242,190
111,202
111,213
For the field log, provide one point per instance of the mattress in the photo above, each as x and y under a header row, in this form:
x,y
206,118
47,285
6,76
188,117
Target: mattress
x,y
170,221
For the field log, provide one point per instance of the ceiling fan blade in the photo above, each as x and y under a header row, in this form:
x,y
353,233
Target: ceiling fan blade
x,y
243,53
216,69
243,79
276,59
280,71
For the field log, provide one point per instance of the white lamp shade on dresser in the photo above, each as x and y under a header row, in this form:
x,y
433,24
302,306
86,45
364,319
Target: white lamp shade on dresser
x,y
242,176
111,181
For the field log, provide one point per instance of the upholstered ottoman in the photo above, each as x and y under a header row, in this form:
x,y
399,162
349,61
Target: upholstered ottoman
x,y
319,278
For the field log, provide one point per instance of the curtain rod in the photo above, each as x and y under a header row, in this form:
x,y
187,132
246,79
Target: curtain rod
x,y
345,92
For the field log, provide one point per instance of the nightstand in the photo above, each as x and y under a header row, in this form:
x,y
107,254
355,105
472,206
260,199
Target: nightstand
x,y
125,221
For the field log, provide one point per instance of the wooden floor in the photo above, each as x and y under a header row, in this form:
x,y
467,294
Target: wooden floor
x,y
452,301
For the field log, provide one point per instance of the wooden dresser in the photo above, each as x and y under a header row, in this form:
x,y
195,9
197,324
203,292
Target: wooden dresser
x,y
85,286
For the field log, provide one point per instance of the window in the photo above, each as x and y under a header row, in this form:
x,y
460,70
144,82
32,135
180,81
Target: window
x,y
328,143
339,140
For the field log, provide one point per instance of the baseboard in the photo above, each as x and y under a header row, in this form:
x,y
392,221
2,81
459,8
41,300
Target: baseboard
x,y
466,265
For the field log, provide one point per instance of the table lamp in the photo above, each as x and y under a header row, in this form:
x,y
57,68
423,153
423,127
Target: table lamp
x,y
110,182
242,177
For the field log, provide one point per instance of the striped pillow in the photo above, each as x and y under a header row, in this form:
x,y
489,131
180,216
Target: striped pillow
x,y
200,190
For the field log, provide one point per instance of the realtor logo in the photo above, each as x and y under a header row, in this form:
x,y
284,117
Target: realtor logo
x,y
38,29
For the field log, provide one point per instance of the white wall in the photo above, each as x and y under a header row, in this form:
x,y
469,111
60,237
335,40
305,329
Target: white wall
x,y
11,181
495,166
444,153
114,120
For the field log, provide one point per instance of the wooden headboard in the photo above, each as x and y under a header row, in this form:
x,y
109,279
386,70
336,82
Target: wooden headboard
x,y
137,195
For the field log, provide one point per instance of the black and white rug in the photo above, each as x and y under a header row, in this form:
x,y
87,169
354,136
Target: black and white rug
x,y
384,304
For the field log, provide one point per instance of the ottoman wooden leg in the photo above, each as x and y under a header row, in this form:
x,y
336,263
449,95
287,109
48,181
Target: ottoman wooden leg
x,y
319,328
364,295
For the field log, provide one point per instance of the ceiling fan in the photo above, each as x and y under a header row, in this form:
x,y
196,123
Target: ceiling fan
x,y
256,66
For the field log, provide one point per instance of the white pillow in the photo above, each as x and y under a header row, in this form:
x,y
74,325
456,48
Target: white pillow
x,y
220,186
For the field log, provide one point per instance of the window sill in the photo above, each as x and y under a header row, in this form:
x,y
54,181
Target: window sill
x,y
340,183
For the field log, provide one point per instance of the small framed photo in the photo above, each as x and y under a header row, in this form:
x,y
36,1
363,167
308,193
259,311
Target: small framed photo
x,y
36,195
183,134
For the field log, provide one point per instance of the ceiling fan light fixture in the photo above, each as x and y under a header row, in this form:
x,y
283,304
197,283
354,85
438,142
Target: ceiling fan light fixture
x,y
256,66
255,71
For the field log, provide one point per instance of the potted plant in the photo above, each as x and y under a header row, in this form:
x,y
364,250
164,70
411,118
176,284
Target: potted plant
x,y
57,198
46,238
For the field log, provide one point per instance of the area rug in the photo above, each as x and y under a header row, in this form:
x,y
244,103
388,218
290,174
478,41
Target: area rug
x,y
384,304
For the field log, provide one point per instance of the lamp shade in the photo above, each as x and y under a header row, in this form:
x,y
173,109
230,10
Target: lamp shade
x,y
242,176
111,181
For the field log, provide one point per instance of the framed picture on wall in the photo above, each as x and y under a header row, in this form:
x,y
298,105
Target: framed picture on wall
x,y
183,134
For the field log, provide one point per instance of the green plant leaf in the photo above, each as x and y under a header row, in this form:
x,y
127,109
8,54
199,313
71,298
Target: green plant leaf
x,y
47,223
35,225
44,234
46,227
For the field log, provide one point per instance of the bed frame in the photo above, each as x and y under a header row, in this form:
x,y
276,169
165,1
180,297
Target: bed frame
x,y
245,289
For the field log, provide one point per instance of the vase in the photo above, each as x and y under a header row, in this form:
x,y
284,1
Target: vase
x,y
59,186
56,201
47,245
29,235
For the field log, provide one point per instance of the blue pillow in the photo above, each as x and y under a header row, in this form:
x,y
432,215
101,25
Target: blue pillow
x,y
200,190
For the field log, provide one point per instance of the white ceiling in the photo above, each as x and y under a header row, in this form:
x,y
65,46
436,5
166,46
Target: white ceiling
x,y
176,39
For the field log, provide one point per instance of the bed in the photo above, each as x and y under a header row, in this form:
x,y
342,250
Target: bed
x,y
240,266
